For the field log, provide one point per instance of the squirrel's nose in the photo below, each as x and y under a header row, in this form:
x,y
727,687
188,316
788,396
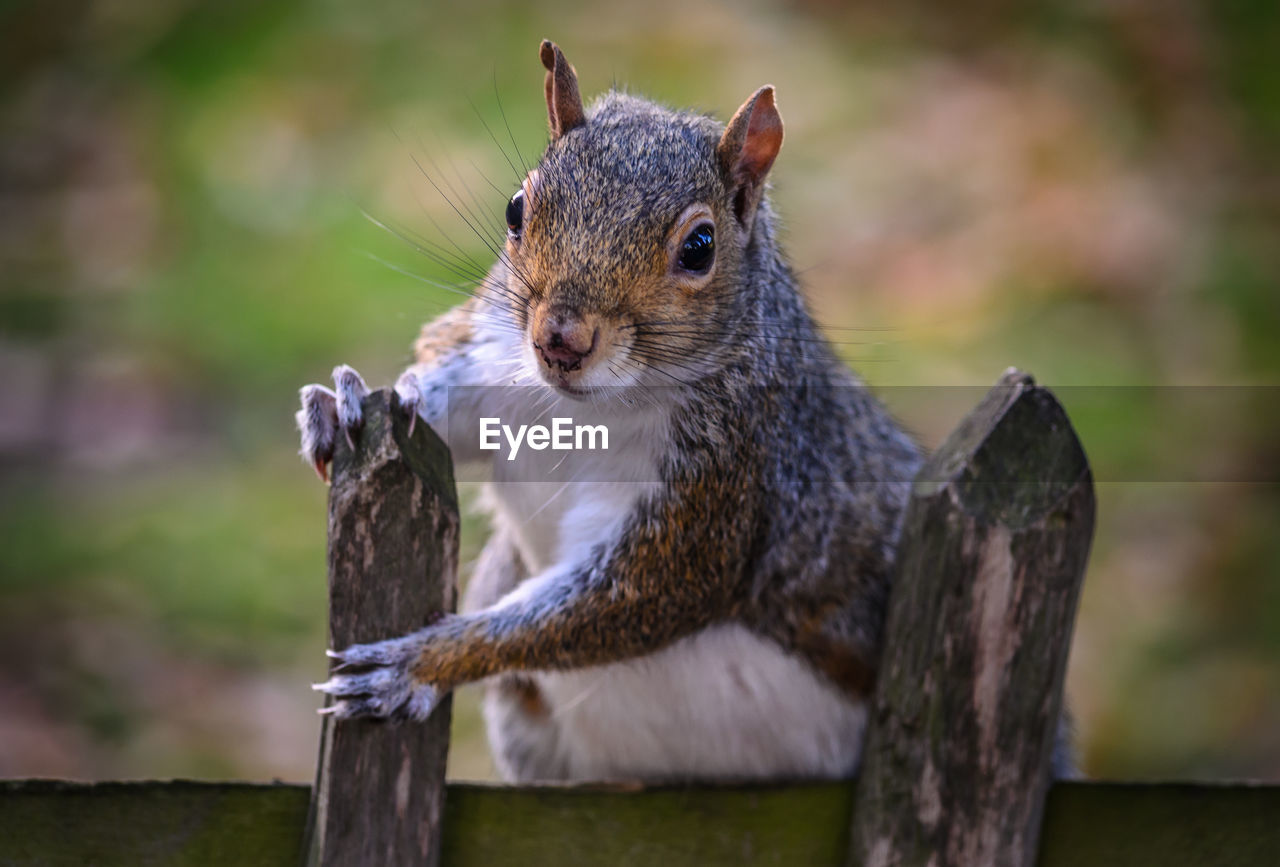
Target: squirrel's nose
x,y
565,341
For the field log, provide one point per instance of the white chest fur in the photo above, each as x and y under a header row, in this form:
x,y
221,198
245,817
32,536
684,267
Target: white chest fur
x,y
724,703
558,505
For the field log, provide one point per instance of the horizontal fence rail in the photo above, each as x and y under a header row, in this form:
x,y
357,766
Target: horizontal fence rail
x,y
51,824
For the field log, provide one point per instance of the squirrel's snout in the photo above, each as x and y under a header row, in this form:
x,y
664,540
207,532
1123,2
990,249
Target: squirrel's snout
x,y
565,341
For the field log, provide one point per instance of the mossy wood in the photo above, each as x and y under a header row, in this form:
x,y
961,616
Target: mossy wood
x,y
965,716
47,824
393,552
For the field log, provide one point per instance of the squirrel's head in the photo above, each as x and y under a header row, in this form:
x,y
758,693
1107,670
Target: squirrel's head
x,y
628,243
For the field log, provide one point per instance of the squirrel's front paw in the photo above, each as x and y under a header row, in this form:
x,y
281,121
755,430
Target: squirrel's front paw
x,y
381,682
324,411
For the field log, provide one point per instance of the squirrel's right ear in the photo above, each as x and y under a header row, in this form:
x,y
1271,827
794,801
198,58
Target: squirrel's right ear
x,y
746,152
564,103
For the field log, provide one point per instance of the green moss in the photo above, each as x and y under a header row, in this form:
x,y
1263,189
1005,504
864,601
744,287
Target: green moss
x,y
47,824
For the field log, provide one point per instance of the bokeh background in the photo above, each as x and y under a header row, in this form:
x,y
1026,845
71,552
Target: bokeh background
x,y
1087,190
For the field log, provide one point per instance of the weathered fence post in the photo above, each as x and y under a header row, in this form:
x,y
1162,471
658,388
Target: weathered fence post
x,y
957,760
393,550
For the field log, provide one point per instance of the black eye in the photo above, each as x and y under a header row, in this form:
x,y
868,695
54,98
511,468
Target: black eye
x,y
698,250
515,213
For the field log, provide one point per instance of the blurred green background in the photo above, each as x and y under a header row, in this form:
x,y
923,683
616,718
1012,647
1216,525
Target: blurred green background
x,y
1086,190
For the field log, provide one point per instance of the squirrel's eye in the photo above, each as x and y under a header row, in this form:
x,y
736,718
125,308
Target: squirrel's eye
x,y
515,213
698,250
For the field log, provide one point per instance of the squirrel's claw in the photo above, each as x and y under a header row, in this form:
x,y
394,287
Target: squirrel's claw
x,y
318,424
324,410
409,395
379,693
391,652
383,683
351,389
377,681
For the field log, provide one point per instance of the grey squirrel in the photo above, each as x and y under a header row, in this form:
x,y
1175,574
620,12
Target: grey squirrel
x,y
712,609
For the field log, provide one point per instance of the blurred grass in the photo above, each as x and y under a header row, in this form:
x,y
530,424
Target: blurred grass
x,y
1086,191
156,551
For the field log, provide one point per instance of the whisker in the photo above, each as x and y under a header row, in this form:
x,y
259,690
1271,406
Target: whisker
x,y
460,266
501,256
479,315
485,212
514,171
775,335
502,111
488,242
562,489
758,322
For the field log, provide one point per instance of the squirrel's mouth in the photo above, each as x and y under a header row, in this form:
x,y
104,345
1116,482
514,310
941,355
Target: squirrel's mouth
x,y
565,365
562,355
572,391
566,350
568,384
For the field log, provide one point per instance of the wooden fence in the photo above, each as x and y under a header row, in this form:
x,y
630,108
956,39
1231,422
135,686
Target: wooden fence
x,y
957,761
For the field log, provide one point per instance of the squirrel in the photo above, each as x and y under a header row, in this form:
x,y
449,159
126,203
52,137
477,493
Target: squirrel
x,y
713,609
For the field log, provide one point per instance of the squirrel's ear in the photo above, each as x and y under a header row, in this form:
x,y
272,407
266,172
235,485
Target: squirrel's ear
x,y
747,150
564,103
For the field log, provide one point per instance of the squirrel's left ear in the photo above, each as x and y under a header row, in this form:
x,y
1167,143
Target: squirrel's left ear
x,y
564,103
747,149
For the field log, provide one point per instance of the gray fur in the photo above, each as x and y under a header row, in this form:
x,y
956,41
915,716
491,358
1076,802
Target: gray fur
x,y
783,481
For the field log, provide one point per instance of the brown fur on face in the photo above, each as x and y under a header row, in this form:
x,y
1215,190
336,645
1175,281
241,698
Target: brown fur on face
x,y
606,212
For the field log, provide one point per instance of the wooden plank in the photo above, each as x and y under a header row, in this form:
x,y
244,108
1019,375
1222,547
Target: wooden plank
x,y
957,760
393,553
53,824
777,826
1170,825
147,824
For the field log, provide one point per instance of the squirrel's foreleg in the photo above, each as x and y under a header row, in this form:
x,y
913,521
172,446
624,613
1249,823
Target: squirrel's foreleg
x,y
641,596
